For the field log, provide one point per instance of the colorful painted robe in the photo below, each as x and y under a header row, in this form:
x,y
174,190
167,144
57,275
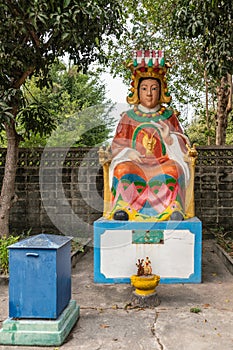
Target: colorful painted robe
x,y
156,187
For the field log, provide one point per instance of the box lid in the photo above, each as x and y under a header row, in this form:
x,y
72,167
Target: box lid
x,y
43,241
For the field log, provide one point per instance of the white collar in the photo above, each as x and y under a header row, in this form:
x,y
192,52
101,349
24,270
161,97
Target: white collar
x,y
149,110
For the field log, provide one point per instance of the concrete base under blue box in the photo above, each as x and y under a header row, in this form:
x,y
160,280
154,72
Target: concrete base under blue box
x,y
40,332
174,248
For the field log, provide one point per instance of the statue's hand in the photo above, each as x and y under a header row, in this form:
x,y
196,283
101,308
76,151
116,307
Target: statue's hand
x,y
165,133
134,155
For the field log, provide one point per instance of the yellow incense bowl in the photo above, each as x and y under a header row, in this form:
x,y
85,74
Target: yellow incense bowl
x,y
145,285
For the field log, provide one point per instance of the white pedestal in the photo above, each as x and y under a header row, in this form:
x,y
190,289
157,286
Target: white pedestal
x,y
174,248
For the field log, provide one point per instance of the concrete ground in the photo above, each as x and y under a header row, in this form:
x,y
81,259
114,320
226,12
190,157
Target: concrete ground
x,y
108,322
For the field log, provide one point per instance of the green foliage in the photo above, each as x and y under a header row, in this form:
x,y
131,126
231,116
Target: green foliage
x,y
5,114
229,131
224,239
193,43
4,256
200,134
197,129
34,34
150,28
76,245
195,310
75,103
209,23
89,127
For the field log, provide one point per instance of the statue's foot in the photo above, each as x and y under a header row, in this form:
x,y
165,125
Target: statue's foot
x,y
177,216
121,215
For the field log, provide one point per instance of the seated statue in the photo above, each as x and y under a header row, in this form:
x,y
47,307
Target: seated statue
x,y
149,173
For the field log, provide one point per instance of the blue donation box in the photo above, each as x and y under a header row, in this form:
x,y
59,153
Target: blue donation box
x,y
40,276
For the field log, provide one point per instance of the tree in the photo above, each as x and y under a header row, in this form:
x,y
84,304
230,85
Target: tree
x,y
150,28
32,35
210,24
75,99
199,132
197,39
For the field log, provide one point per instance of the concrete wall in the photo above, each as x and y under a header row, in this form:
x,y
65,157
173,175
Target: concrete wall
x,y
60,190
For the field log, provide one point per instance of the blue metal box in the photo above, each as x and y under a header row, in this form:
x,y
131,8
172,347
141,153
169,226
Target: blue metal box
x,y
39,276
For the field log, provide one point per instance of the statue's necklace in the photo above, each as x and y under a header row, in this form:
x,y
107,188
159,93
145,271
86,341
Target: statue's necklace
x,y
141,117
149,115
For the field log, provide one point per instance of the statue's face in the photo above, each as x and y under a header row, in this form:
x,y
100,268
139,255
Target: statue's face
x,y
149,92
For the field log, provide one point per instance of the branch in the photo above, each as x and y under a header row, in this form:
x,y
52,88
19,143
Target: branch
x,y
23,77
33,35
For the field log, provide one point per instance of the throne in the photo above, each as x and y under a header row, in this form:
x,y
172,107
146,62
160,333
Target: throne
x,y
105,158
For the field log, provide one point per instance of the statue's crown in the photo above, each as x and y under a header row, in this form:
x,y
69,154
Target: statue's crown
x,y
146,64
148,58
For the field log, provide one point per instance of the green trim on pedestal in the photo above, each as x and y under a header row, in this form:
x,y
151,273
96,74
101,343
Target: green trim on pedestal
x,y
40,332
148,236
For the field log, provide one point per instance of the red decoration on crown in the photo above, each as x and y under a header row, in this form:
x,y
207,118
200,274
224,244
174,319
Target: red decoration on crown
x,y
148,58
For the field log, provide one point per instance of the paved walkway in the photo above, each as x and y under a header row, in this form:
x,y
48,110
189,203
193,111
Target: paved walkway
x,y
107,322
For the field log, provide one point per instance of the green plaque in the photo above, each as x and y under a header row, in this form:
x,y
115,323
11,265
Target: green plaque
x,y
147,237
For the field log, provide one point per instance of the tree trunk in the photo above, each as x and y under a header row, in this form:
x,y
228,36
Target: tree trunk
x,y
223,96
207,106
8,186
8,197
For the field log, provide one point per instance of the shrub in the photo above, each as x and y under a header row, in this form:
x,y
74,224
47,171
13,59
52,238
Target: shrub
x,y
4,254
